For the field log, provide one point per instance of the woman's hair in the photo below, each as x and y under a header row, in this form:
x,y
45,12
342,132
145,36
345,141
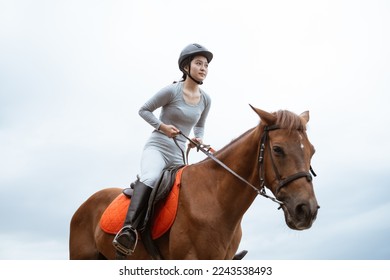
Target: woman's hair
x,y
184,63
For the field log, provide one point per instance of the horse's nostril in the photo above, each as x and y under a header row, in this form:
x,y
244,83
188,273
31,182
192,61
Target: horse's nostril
x,y
302,211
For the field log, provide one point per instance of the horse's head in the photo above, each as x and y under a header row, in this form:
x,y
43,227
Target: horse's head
x,y
285,167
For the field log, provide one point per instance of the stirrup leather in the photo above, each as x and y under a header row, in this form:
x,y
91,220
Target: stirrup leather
x,y
121,248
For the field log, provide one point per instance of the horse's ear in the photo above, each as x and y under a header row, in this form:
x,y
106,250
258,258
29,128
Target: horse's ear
x,y
305,115
266,117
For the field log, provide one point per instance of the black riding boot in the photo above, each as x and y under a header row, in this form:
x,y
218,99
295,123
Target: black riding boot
x,y
126,239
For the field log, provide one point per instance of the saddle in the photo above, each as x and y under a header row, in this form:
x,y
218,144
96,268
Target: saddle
x,y
160,214
163,201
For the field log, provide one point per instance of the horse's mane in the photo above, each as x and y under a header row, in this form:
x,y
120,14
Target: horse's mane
x,y
289,120
284,119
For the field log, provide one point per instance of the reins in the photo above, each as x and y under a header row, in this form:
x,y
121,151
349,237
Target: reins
x,y
206,150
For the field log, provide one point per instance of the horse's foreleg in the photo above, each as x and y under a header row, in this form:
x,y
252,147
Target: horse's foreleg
x,y
234,244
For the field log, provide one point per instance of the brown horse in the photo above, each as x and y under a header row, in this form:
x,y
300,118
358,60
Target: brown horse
x,y
212,201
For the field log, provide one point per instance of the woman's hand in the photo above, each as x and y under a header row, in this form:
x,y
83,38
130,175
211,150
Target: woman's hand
x,y
169,130
196,140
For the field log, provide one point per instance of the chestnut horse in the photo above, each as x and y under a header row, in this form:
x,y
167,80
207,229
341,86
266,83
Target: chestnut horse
x,y
276,154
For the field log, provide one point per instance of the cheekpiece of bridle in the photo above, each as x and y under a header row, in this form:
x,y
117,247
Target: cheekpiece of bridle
x,y
263,143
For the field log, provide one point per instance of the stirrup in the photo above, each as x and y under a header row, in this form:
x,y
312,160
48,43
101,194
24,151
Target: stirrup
x,y
121,248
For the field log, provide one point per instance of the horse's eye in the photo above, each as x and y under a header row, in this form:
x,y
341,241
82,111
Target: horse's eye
x,y
278,150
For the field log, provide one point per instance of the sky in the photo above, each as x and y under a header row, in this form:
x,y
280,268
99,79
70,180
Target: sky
x,y
73,75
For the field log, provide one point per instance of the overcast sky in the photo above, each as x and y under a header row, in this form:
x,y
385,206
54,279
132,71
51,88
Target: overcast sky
x,y
73,75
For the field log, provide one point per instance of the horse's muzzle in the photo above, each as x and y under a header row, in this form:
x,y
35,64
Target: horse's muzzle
x,y
301,215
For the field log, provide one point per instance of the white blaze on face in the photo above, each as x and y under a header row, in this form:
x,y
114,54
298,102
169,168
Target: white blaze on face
x,y
302,146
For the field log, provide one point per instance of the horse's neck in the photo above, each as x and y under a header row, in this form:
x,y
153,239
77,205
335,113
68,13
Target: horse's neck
x,y
242,157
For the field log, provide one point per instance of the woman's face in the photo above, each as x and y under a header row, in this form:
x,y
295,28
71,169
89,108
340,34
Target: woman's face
x,y
199,68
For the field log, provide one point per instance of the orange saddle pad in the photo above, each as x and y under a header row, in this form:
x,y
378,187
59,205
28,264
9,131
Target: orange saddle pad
x,y
114,216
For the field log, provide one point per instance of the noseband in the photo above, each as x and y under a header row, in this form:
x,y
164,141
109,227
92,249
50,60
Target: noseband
x,y
281,182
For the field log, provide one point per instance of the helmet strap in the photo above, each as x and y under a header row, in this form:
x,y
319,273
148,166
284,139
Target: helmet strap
x,y
189,75
198,82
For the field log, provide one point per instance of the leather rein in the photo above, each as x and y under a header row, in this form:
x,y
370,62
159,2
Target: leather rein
x,y
263,142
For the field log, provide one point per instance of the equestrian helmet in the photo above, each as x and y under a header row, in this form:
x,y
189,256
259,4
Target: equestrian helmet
x,y
191,51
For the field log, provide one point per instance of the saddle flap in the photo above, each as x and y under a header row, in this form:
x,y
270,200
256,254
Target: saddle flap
x,y
160,215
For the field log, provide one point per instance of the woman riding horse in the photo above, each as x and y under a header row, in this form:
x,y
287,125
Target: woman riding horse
x,y
184,107
276,154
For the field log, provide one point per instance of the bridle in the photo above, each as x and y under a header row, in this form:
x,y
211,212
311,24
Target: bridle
x,y
281,182
263,142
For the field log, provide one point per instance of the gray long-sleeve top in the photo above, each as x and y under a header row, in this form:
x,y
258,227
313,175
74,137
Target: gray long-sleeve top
x,y
175,111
